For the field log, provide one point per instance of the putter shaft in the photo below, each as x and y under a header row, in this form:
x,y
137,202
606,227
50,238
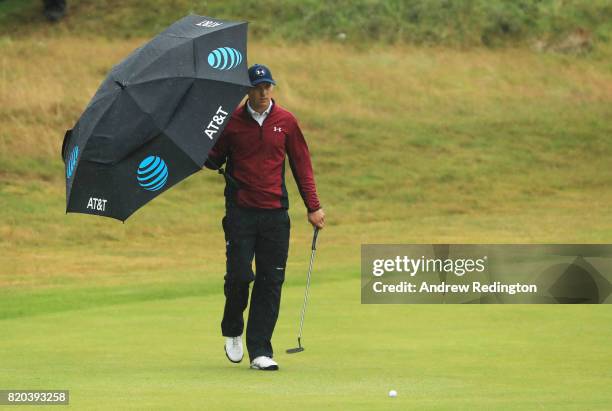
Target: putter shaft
x,y
312,255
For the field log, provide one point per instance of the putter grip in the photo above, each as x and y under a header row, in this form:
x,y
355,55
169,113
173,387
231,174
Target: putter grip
x,y
314,238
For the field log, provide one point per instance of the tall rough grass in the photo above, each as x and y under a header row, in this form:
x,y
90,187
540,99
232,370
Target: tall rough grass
x,y
412,143
449,22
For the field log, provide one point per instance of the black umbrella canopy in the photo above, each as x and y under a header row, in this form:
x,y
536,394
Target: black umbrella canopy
x,y
155,117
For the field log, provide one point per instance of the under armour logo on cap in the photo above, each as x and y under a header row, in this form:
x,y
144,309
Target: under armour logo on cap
x,y
258,73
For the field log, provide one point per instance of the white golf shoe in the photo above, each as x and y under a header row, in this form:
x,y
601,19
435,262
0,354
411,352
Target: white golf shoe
x,y
264,363
233,349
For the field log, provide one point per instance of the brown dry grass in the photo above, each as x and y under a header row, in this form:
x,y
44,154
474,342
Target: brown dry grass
x,y
409,145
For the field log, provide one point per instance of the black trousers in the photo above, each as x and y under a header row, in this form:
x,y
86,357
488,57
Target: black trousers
x,y
264,236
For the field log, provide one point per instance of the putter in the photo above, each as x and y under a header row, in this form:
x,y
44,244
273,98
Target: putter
x,y
300,348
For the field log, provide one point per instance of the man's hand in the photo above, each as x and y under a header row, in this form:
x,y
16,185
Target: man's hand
x,y
317,218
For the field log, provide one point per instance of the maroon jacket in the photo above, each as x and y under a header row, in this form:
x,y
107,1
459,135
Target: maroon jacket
x,y
255,158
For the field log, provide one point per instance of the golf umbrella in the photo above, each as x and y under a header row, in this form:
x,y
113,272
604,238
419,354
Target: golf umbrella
x,y
155,117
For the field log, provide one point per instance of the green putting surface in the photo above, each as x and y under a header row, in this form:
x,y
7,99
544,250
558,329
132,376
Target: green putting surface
x,y
167,354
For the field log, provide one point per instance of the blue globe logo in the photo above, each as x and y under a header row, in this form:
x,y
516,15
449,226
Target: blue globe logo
x,y
72,160
152,173
224,58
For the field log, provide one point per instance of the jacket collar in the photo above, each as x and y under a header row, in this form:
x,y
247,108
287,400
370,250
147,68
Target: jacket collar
x,y
254,113
245,110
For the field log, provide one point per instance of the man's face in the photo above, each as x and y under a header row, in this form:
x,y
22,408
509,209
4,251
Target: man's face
x,y
260,95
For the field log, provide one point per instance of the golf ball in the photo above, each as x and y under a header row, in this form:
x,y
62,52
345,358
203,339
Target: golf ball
x,y
392,393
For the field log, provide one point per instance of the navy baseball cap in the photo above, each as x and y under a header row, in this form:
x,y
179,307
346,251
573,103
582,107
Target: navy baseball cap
x,y
258,73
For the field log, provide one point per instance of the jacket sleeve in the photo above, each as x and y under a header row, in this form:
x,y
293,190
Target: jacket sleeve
x,y
301,167
217,156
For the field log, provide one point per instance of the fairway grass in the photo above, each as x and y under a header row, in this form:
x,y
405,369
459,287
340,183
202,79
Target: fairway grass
x,y
168,354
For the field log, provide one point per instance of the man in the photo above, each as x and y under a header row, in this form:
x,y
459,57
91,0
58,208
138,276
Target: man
x,y
254,144
54,10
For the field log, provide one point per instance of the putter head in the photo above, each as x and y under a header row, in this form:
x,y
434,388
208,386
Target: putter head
x,y
297,349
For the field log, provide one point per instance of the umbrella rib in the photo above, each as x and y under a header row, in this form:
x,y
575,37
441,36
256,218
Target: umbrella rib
x,y
150,46
101,115
101,95
195,60
163,130
179,105
142,109
77,136
189,77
